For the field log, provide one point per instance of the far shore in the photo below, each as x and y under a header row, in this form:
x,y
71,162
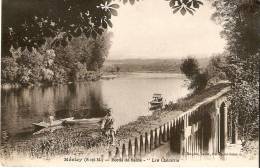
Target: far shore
x,y
7,86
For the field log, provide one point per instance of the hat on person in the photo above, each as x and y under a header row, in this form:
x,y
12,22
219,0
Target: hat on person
x,y
109,111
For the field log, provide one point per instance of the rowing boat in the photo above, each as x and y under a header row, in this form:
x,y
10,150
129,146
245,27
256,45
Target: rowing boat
x,y
54,123
89,122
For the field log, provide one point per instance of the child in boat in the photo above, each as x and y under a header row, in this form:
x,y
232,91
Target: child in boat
x,y
107,125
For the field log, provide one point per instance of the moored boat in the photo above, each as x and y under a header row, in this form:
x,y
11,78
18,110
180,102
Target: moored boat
x,y
85,122
157,101
107,77
45,127
52,123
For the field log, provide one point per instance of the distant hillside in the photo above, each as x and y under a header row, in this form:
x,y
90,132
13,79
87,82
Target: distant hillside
x,y
150,65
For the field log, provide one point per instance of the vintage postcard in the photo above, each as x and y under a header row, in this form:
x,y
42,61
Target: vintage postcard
x,y
171,83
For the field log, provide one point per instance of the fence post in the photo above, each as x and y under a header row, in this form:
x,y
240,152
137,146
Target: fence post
x,y
146,147
136,148
123,151
151,140
130,149
156,139
109,155
141,145
160,136
117,155
168,130
165,133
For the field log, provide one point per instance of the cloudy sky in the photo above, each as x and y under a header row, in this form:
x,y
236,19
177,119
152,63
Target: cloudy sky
x,y
148,29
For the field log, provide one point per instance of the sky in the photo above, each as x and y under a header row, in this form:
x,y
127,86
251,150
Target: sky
x,y
149,29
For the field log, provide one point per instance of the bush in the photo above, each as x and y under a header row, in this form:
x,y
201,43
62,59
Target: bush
x,y
24,75
9,69
190,67
198,80
216,69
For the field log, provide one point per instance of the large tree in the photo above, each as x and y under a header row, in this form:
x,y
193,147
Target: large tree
x,y
241,28
26,23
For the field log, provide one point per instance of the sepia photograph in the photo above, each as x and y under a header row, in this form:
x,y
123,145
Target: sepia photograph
x,y
119,83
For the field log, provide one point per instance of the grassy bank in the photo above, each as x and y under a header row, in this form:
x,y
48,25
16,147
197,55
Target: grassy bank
x,y
146,123
60,142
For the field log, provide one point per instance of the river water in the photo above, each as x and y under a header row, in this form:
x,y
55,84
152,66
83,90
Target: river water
x,y
127,96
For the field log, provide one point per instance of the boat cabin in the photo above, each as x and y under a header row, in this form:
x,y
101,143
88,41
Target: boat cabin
x,y
157,101
157,97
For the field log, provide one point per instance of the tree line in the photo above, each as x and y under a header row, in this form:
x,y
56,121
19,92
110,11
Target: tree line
x,y
80,59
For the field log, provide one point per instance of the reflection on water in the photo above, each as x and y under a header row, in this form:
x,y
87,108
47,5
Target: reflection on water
x,y
127,96
20,108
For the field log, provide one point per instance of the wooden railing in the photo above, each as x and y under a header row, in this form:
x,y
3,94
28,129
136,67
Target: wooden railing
x,y
188,134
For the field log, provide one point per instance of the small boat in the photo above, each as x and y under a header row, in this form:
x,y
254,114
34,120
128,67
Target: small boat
x,y
157,101
107,77
89,122
52,123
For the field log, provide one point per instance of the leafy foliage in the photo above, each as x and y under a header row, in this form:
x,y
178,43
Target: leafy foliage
x,y
61,64
184,6
27,23
190,67
216,69
245,107
198,80
9,69
240,20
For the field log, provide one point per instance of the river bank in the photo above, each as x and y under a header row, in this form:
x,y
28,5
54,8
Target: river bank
x,y
89,76
73,140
